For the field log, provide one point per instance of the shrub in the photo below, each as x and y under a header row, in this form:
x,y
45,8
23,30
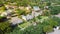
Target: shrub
x,y
20,12
4,25
54,10
2,18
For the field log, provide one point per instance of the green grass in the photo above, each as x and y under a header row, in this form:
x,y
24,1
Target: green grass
x,y
24,25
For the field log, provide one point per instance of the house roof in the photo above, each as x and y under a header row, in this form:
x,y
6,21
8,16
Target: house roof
x,y
29,17
16,20
36,8
6,13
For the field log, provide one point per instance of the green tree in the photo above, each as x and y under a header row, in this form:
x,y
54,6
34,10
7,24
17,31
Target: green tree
x,y
47,28
3,26
54,10
53,23
57,19
20,12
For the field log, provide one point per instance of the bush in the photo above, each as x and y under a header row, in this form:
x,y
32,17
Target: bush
x,y
48,28
54,10
20,12
29,30
4,25
57,19
2,18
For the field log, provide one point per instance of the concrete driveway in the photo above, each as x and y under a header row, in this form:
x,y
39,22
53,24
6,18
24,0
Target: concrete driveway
x,y
55,32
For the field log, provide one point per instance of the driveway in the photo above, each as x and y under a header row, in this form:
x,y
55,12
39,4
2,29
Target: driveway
x,y
55,32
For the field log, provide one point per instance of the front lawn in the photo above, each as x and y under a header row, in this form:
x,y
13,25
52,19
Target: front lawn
x,y
24,25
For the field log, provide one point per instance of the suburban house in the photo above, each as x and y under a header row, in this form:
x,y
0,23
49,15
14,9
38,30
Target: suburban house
x,y
15,20
6,13
36,8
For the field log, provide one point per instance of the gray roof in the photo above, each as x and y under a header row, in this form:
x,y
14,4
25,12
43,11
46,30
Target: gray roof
x,y
36,8
36,13
9,11
16,20
29,17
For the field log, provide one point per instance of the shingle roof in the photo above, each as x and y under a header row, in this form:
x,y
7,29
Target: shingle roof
x,y
16,20
36,8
